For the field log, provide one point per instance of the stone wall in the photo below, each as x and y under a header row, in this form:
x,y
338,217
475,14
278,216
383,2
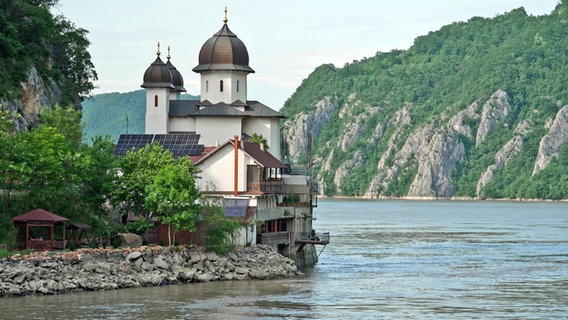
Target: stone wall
x,y
108,269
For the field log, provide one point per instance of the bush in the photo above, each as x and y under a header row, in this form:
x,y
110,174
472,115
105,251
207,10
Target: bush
x,y
72,245
220,231
115,242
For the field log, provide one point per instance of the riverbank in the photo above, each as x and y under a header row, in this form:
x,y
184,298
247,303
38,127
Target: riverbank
x,y
110,269
415,198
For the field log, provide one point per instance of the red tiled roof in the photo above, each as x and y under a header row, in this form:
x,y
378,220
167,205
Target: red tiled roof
x,y
263,157
39,215
206,151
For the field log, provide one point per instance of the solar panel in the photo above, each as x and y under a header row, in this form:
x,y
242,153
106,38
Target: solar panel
x,y
180,144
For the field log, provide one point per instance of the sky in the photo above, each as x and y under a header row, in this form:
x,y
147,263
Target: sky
x,y
286,39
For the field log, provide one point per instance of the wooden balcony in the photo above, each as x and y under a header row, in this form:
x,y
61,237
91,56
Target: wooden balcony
x,y
275,238
268,186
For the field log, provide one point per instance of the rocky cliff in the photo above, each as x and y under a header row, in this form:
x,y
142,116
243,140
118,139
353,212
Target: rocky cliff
x,y
426,155
35,94
475,109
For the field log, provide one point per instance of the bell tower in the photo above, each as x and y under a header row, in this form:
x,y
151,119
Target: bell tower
x,y
158,82
223,66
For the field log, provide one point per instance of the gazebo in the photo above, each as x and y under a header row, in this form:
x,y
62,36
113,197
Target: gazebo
x,y
36,230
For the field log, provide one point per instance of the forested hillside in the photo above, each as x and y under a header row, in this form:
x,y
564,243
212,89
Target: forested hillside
x,y
45,71
49,49
475,109
116,113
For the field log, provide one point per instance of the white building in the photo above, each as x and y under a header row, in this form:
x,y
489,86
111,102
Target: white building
x,y
247,178
223,110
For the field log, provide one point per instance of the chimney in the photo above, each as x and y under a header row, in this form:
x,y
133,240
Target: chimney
x,y
236,175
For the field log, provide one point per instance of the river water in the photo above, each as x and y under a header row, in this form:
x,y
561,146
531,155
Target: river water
x,y
386,260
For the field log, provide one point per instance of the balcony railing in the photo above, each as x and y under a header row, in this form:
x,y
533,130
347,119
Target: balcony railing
x,y
271,186
314,238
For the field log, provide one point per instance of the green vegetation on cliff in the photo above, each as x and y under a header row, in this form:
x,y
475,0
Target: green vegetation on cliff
x,y
30,36
440,75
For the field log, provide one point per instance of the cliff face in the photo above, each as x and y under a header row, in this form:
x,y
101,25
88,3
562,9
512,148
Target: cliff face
x,y
35,95
427,155
304,123
474,109
551,143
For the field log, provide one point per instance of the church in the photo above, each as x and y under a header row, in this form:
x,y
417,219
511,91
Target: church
x,y
248,178
223,110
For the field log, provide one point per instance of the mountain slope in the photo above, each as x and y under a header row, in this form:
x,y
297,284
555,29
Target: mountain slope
x,y
476,109
107,114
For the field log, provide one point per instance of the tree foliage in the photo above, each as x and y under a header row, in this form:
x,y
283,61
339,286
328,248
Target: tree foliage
x,y
30,36
173,196
153,184
48,167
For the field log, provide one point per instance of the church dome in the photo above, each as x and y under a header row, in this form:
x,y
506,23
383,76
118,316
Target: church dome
x,y
223,51
177,79
158,75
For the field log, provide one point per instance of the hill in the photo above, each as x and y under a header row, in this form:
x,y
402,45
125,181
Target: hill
x,y
475,109
107,114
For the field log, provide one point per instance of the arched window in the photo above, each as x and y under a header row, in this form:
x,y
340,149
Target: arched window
x,y
221,85
206,86
237,85
155,100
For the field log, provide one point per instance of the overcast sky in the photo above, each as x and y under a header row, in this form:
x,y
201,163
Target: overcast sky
x,y
286,40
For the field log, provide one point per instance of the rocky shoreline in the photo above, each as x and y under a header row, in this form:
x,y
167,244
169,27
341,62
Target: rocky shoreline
x,y
110,269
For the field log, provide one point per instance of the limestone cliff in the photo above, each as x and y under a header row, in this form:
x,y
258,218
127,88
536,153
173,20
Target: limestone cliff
x,y
297,129
35,95
551,143
427,155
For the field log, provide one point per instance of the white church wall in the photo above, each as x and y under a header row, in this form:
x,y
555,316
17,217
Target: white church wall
x,y
183,124
214,132
211,88
269,129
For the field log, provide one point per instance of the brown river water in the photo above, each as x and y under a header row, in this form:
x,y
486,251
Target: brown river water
x,y
386,260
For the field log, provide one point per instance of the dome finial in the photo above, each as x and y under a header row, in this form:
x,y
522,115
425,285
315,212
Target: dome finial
x,y
169,56
158,52
225,20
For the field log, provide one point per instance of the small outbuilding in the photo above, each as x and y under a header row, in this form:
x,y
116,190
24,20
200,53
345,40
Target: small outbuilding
x,y
36,230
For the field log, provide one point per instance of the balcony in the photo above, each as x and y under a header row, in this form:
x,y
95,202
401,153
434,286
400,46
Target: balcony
x,y
268,186
275,238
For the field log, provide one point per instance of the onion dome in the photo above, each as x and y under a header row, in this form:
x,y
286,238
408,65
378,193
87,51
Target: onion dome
x,y
223,51
177,79
158,74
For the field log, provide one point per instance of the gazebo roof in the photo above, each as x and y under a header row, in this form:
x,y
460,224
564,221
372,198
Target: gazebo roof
x,y
39,215
79,226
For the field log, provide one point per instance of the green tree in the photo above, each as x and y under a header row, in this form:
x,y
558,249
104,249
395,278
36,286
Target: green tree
x,y
173,196
219,229
138,170
258,138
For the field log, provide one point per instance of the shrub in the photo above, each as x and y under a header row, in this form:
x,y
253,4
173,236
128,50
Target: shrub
x,y
72,245
220,230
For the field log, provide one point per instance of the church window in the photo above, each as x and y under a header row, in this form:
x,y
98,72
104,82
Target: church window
x,y
206,86
155,100
221,85
237,85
